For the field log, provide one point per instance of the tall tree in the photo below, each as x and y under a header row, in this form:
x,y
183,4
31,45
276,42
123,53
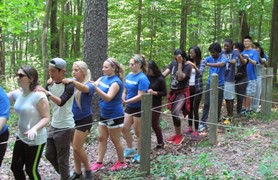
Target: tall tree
x,y
244,28
139,27
62,31
274,40
2,58
54,35
260,21
95,42
44,39
184,11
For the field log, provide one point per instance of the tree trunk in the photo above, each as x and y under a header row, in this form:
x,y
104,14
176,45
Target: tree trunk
x,y
95,43
54,30
78,30
139,27
44,39
184,11
2,57
244,28
274,41
260,22
62,31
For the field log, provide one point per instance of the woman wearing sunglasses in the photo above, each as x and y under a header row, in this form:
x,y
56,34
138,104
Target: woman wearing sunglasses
x,y
33,111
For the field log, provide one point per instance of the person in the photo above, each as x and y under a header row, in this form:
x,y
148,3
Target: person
x,y
109,87
158,89
196,89
229,79
241,80
252,57
61,130
135,85
33,111
4,116
178,98
82,115
216,64
259,67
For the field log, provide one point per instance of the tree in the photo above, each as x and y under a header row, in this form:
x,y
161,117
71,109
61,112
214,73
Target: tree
x,y
2,58
139,27
274,40
54,35
244,28
44,39
95,42
184,12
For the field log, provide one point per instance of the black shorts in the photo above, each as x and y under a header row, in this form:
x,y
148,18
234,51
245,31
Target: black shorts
x,y
112,123
84,124
134,111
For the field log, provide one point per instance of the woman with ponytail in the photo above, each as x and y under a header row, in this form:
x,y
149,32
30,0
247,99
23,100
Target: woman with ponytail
x,y
82,114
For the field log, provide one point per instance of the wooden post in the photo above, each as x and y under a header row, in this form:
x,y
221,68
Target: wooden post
x,y
146,120
267,84
264,87
213,109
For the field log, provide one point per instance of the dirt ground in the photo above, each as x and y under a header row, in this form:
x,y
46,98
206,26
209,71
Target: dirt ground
x,y
231,150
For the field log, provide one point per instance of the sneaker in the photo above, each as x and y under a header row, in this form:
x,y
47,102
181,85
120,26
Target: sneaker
x,y
188,130
96,166
171,139
88,175
118,166
179,139
195,135
202,127
227,120
159,146
136,158
129,152
243,112
74,175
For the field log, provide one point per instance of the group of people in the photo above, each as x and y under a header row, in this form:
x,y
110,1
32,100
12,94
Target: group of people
x,y
70,100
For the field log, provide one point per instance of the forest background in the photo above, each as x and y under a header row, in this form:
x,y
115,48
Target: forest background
x,y
34,31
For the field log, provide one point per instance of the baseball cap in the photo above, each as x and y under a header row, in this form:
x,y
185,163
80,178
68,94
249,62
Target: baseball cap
x,y
58,63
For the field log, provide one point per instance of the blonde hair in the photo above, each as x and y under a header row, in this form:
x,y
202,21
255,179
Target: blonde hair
x,y
87,77
119,70
139,58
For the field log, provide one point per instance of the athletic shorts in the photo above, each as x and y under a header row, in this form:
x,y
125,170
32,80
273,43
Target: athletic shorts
x,y
112,123
84,124
251,88
136,112
229,90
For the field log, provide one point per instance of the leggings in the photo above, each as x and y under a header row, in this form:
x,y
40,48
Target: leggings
x,y
156,126
176,109
194,107
23,154
3,139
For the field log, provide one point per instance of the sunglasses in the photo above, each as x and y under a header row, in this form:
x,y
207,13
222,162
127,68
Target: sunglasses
x,y
20,75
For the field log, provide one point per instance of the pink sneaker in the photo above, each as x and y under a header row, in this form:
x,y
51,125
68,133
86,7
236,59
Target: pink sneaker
x,y
171,139
96,166
188,130
179,139
118,166
195,135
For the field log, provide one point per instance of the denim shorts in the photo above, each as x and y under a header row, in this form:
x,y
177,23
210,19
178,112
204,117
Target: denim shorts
x,y
229,90
251,88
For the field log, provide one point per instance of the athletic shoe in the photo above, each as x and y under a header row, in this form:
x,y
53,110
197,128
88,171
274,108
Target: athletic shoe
x,y
227,120
195,135
118,166
179,139
96,166
171,139
243,112
188,130
136,158
76,176
129,152
202,127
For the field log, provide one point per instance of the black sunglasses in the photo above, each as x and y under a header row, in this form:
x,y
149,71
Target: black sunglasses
x,y
20,75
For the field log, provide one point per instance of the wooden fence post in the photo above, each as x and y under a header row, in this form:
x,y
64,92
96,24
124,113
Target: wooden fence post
x,y
267,92
264,87
146,120
213,109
